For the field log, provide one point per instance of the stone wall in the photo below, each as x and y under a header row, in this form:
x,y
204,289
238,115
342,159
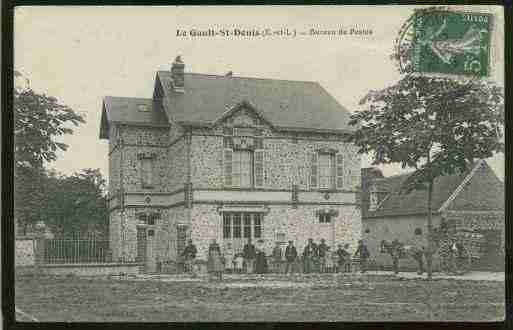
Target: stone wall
x,y
177,169
297,225
92,269
399,227
286,162
115,234
24,252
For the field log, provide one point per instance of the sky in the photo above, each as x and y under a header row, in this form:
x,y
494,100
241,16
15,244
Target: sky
x,y
81,54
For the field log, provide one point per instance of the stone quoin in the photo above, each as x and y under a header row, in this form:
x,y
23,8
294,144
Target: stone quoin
x,y
229,158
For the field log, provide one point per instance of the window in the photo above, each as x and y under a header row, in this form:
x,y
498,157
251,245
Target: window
x,y
143,108
147,172
242,168
242,225
257,222
247,225
418,231
236,225
326,170
227,228
152,218
324,218
367,230
243,158
148,219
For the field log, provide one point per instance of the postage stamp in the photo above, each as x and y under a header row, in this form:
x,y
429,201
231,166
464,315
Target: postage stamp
x,y
452,42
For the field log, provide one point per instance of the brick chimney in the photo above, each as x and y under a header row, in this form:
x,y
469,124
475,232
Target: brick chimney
x,y
177,73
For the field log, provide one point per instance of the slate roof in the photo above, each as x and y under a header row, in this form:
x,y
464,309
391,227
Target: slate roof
x,y
126,110
396,204
285,104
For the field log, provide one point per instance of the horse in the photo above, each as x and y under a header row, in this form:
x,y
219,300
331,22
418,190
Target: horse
x,y
399,250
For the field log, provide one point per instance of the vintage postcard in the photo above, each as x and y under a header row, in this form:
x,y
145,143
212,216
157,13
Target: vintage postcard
x,y
267,163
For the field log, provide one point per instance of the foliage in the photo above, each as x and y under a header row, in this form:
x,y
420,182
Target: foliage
x,y
453,121
39,120
76,204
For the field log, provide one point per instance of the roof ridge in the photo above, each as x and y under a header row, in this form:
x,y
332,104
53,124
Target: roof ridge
x,y
394,176
128,97
245,77
462,184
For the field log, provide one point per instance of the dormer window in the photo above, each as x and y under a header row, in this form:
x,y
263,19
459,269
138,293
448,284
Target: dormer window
x,y
376,196
373,201
143,108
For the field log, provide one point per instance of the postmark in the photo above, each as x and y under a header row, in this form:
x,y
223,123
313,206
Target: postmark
x,y
451,42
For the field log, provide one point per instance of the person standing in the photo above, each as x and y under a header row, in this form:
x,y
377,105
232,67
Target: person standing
x,y
277,258
239,263
419,257
215,265
249,253
322,248
228,258
341,258
364,254
189,255
309,256
260,260
396,254
290,257
328,261
347,254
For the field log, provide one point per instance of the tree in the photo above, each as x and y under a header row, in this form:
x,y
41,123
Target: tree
x,y
436,125
77,206
38,121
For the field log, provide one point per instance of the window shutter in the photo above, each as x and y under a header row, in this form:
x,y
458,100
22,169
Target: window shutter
x,y
147,172
259,168
340,171
227,166
314,168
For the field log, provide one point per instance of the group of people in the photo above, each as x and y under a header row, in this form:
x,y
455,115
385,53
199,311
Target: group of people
x,y
253,260
320,258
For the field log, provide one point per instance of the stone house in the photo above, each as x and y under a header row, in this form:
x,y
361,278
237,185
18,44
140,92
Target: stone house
x,y
228,158
474,199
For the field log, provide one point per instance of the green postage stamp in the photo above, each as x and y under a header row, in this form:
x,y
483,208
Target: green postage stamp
x,y
452,42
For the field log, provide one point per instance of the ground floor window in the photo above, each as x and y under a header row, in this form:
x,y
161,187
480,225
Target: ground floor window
x,y
242,225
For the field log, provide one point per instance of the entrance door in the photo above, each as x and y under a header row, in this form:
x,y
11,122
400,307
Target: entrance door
x,y
239,226
151,263
181,239
141,244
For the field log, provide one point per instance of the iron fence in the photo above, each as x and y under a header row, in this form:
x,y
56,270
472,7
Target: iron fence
x,y
74,251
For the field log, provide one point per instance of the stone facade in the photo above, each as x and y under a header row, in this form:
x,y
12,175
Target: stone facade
x,y
189,195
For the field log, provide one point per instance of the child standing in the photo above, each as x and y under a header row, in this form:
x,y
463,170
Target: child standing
x,y
239,263
328,263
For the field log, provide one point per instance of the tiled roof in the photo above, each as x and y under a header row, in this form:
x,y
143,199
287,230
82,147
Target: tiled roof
x,y
286,104
130,110
415,202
